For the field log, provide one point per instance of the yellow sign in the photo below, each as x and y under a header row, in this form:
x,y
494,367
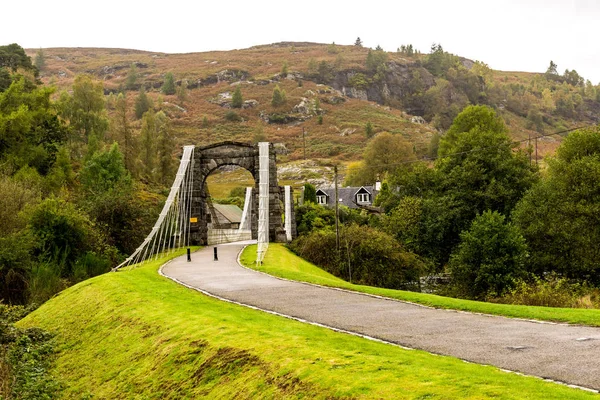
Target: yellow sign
x,y
193,219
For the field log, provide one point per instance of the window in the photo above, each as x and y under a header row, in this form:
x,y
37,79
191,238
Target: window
x,y
362,198
322,199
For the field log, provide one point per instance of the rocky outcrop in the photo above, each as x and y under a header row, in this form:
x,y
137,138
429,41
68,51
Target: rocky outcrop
x,y
392,86
227,75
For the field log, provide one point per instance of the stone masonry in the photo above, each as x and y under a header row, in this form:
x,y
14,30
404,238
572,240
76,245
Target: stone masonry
x,y
209,158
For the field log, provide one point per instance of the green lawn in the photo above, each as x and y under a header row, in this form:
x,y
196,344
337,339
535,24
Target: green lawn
x,y
281,262
135,334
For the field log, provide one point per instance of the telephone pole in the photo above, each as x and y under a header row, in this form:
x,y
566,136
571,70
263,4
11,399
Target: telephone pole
x,y
337,214
536,158
304,142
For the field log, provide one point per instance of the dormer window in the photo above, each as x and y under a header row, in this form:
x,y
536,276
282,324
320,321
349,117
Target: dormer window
x,y
362,198
321,199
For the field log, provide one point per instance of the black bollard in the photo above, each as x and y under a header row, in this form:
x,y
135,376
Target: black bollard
x,y
189,255
215,251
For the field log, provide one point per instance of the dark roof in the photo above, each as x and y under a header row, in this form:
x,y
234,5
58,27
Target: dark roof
x,y
347,194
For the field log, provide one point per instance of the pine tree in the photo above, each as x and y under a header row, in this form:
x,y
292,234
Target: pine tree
x,y
279,97
369,129
237,101
132,77
123,132
142,103
168,86
165,148
148,138
40,59
182,91
284,69
358,42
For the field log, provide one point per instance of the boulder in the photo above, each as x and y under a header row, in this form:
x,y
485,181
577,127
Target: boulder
x,y
250,103
304,107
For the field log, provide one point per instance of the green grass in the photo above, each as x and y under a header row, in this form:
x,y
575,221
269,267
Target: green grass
x,y
135,334
280,261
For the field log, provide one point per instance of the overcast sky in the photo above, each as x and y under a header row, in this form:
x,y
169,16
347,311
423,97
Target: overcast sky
x,y
508,35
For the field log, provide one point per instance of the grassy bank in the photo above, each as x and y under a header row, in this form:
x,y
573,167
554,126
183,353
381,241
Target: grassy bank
x,y
135,334
281,262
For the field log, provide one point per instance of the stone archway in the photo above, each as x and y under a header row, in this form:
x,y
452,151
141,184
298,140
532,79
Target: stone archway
x,y
209,158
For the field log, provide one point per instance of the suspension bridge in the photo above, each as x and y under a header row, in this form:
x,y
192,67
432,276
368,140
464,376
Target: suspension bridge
x,y
188,210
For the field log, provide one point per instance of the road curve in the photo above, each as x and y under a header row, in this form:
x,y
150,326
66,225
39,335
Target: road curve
x,y
563,353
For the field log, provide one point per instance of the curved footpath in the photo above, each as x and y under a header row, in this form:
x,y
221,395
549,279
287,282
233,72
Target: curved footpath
x,y
569,354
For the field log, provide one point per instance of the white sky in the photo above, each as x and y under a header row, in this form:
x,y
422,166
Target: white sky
x,y
506,34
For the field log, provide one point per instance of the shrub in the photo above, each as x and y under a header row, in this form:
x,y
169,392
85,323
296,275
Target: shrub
x,y
25,357
279,97
367,256
237,101
552,291
359,81
490,257
232,116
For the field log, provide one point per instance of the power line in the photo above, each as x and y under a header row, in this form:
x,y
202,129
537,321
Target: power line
x,y
399,163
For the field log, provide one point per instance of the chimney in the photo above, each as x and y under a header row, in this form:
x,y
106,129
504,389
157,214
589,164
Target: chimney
x,y
378,185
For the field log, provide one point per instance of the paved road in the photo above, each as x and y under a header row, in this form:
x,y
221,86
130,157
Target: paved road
x,y
569,354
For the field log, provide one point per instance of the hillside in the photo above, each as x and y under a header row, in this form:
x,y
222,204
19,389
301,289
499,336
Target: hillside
x,y
395,92
135,334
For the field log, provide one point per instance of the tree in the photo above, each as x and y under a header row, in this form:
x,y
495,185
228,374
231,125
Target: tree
x,y
324,72
168,86
30,130
310,193
13,57
40,60
378,48
132,76
284,69
552,70
124,133
479,164
237,100
182,91
559,215
165,149
104,171
142,103
384,154
62,233
84,109
369,131
148,139
358,42
477,170
490,257
279,97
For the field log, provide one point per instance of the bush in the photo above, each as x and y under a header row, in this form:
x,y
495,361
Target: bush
x,y
367,256
237,101
310,216
279,97
232,116
490,257
552,291
25,357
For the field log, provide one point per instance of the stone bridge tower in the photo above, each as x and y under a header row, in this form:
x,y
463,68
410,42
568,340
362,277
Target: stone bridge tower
x,y
209,158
